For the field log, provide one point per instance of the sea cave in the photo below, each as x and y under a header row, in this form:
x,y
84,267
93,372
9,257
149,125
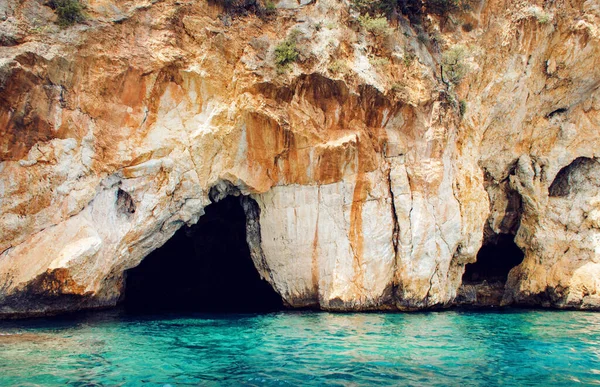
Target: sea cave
x,y
203,268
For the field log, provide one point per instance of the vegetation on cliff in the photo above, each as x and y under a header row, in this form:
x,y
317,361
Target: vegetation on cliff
x,y
69,12
410,7
245,7
287,52
454,68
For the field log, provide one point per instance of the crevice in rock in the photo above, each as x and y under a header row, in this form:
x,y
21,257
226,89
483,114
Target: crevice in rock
x,y
557,111
394,214
512,213
125,204
203,268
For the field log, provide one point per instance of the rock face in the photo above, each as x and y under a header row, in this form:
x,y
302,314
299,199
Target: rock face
x,y
372,190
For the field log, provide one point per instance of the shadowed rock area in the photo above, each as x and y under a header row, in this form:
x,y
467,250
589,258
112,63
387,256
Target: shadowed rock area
x,y
485,279
206,267
494,261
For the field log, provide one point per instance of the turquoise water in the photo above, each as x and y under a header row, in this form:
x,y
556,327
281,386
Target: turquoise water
x,y
516,348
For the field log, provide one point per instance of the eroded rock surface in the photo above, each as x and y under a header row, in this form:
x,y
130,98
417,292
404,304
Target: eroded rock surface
x,y
371,190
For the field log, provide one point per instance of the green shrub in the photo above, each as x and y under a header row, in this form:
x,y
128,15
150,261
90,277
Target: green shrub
x,y
451,99
338,67
38,27
286,52
379,61
69,12
375,7
462,106
239,7
539,14
444,7
454,67
408,56
270,8
412,8
543,18
377,25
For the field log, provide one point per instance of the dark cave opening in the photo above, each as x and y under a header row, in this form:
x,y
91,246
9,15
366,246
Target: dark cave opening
x,y
495,259
203,268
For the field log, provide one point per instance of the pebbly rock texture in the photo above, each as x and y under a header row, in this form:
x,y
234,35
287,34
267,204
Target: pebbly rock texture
x,y
372,190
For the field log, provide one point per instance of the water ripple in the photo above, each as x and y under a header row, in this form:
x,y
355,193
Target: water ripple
x,y
513,348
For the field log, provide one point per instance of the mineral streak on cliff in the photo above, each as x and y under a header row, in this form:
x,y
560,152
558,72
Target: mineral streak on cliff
x,y
372,185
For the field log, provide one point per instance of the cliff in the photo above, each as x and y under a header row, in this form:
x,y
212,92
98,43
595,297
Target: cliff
x,y
380,158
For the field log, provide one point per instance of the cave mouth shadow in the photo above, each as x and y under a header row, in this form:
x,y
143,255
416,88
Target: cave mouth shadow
x,y
495,259
203,268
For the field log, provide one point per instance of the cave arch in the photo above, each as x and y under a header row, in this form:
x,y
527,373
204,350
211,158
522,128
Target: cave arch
x,y
203,268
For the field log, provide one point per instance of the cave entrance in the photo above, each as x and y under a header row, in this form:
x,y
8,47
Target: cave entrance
x,y
203,268
495,259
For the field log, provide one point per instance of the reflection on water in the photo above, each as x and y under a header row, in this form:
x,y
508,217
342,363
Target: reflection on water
x,y
533,348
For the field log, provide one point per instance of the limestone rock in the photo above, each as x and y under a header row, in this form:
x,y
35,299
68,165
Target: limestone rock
x,y
372,191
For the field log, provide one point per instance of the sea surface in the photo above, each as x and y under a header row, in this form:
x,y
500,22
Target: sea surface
x,y
450,348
